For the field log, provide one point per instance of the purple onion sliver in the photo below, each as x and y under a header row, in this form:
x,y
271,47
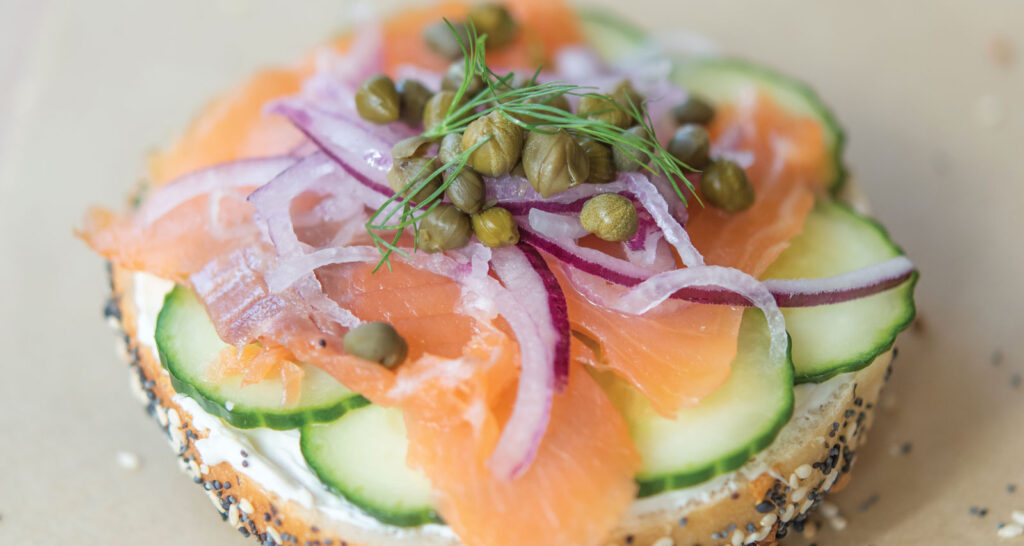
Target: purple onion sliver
x,y
243,173
559,311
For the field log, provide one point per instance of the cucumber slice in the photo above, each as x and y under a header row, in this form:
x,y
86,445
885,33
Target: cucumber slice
x,y
361,456
724,430
842,337
188,343
722,80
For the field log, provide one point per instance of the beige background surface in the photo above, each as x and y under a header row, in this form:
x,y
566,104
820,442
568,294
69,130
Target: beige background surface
x,y
936,136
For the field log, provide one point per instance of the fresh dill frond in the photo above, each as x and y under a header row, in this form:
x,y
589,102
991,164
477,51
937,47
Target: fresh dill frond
x,y
531,100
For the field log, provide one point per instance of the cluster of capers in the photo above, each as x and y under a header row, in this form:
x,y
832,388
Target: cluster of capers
x,y
492,20
723,183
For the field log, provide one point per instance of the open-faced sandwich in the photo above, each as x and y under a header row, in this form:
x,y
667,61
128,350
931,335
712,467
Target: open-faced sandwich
x,y
504,276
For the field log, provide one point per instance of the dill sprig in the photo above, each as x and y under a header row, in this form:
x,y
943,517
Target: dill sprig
x,y
530,101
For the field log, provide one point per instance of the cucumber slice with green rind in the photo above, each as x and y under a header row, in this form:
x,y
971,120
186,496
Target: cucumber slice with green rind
x,y
724,430
361,456
188,343
843,337
722,80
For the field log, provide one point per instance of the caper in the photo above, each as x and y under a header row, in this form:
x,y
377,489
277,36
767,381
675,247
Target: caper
x,y
610,216
495,21
444,228
693,110
725,185
408,170
554,162
451,147
605,109
627,96
437,108
453,79
442,40
501,151
376,342
414,98
465,190
634,160
599,156
377,100
413,146
691,145
495,227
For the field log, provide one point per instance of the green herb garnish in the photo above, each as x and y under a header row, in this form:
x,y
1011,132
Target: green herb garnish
x,y
531,101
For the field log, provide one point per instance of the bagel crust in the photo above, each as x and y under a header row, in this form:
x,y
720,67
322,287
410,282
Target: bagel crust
x,y
756,504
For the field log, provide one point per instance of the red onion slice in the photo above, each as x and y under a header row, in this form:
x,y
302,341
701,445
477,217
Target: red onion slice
x,y
243,173
514,189
657,207
845,287
586,259
541,323
289,270
556,226
650,293
362,149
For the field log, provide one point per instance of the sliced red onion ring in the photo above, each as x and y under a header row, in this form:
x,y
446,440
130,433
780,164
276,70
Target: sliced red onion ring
x,y
586,259
513,189
657,207
648,294
540,313
290,270
361,149
839,288
243,173
556,226
273,200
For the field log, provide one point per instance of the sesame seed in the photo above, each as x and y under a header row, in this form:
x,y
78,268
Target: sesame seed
x,y
682,522
274,534
799,494
161,416
233,515
829,510
788,513
737,538
804,471
764,507
245,506
215,500
178,440
664,541
1011,488
831,479
838,523
1018,516
769,520
1010,531
245,464
173,418
128,460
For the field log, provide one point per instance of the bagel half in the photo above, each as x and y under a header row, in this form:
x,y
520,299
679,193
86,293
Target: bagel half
x,y
755,504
